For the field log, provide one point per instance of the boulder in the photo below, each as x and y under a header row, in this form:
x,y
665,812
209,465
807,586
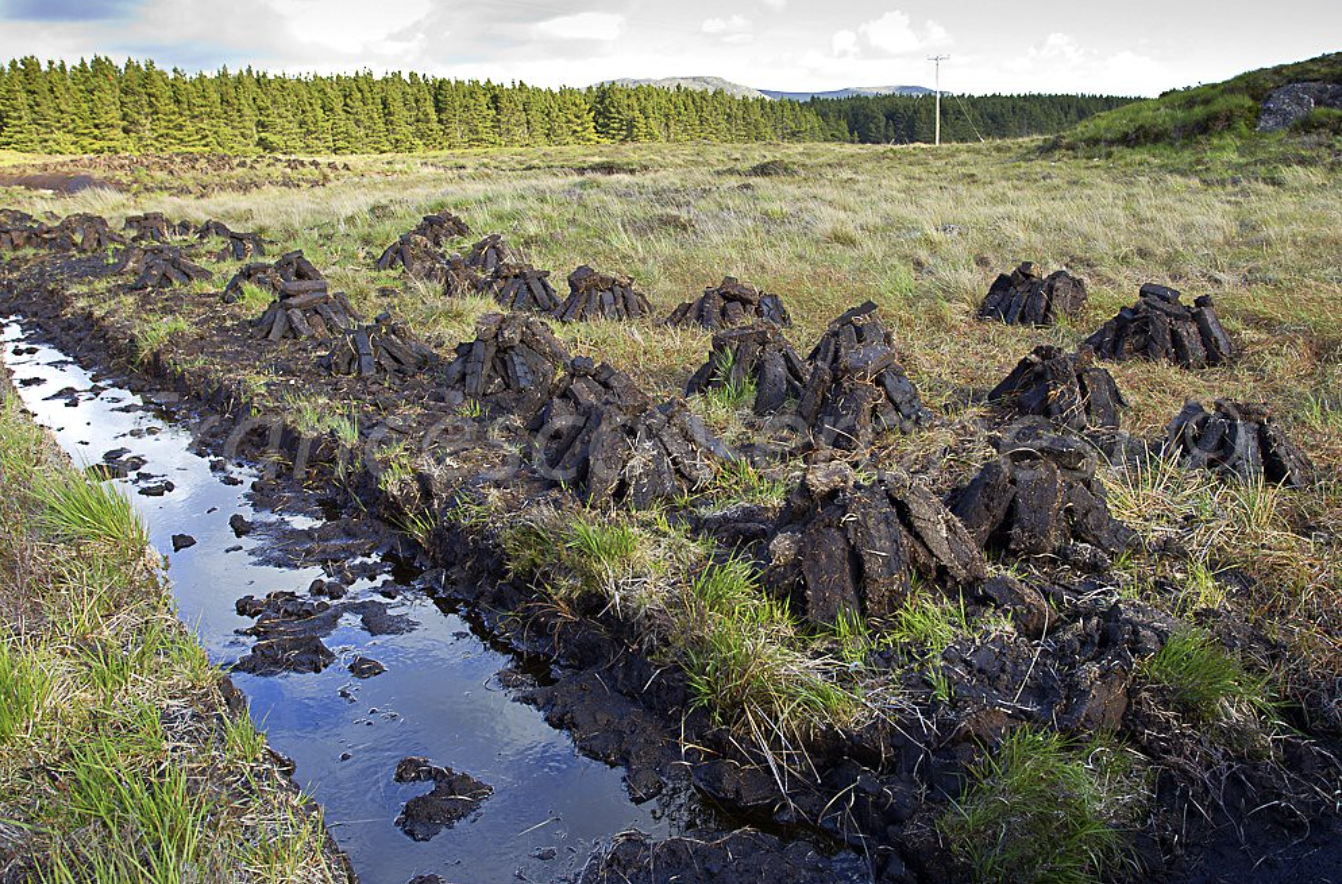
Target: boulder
x,y
755,354
844,545
1237,439
1162,329
384,346
603,435
1294,101
731,303
1067,388
1040,497
856,386
1027,297
594,295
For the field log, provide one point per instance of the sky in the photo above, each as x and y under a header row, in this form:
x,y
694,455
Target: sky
x,y
1137,47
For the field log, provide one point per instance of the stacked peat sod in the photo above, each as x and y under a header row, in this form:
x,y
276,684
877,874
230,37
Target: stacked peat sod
x,y
489,253
417,255
1067,388
441,228
80,232
521,287
1040,497
857,387
459,280
384,345
159,266
755,354
844,546
1237,439
303,306
18,230
603,435
238,246
513,362
594,295
1162,329
731,303
154,227
1027,297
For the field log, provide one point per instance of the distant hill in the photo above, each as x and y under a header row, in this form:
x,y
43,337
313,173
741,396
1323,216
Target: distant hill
x,y
1231,108
718,84
853,92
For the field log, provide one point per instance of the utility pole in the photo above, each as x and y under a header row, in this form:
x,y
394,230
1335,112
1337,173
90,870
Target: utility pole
x,y
937,60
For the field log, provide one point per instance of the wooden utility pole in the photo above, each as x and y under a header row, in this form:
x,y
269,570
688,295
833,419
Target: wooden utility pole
x,y
938,59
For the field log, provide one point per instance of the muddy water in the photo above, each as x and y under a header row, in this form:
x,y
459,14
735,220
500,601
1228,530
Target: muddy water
x,y
440,696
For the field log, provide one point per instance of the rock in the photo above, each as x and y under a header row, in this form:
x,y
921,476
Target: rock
x,y
1294,101
489,254
182,541
594,295
383,347
842,545
1038,496
522,287
757,354
1027,297
513,362
365,667
601,434
1237,439
455,796
731,303
857,387
1065,387
1162,329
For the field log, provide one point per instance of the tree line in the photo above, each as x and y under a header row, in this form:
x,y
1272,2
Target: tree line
x,y
99,106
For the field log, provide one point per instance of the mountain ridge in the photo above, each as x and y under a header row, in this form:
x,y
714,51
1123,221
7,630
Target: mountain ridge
x,y
719,84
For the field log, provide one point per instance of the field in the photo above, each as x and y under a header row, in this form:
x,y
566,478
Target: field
x,y
1254,587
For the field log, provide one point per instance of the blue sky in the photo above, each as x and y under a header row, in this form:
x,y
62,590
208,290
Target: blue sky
x,y
1136,47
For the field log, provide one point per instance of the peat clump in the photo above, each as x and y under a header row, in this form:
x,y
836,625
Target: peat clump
x,y
514,357
1237,439
1162,329
489,253
154,227
1040,497
418,256
160,266
440,228
385,345
755,354
602,434
844,546
1027,297
523,287
455,796
85,233
237,246
290,276
731,303
459,280
857,387
594,295
1067,388
312,314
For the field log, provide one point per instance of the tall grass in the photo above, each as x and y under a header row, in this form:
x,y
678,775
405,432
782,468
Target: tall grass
x,y
78,511
24,686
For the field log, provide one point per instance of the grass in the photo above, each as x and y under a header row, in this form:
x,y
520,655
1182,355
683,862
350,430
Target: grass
x,y
118,758
1037,811
1203,679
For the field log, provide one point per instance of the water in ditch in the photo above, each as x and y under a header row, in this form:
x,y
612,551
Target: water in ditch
x,y
440,696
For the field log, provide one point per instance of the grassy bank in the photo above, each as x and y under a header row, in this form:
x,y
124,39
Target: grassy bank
x,y
120,759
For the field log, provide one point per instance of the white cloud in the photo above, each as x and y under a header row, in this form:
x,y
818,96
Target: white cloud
x,y
894,34
737,24
775,5
604,26
844,43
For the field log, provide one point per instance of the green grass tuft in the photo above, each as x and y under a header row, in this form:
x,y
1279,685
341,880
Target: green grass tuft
x,y
80,511
23,690
1202,676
